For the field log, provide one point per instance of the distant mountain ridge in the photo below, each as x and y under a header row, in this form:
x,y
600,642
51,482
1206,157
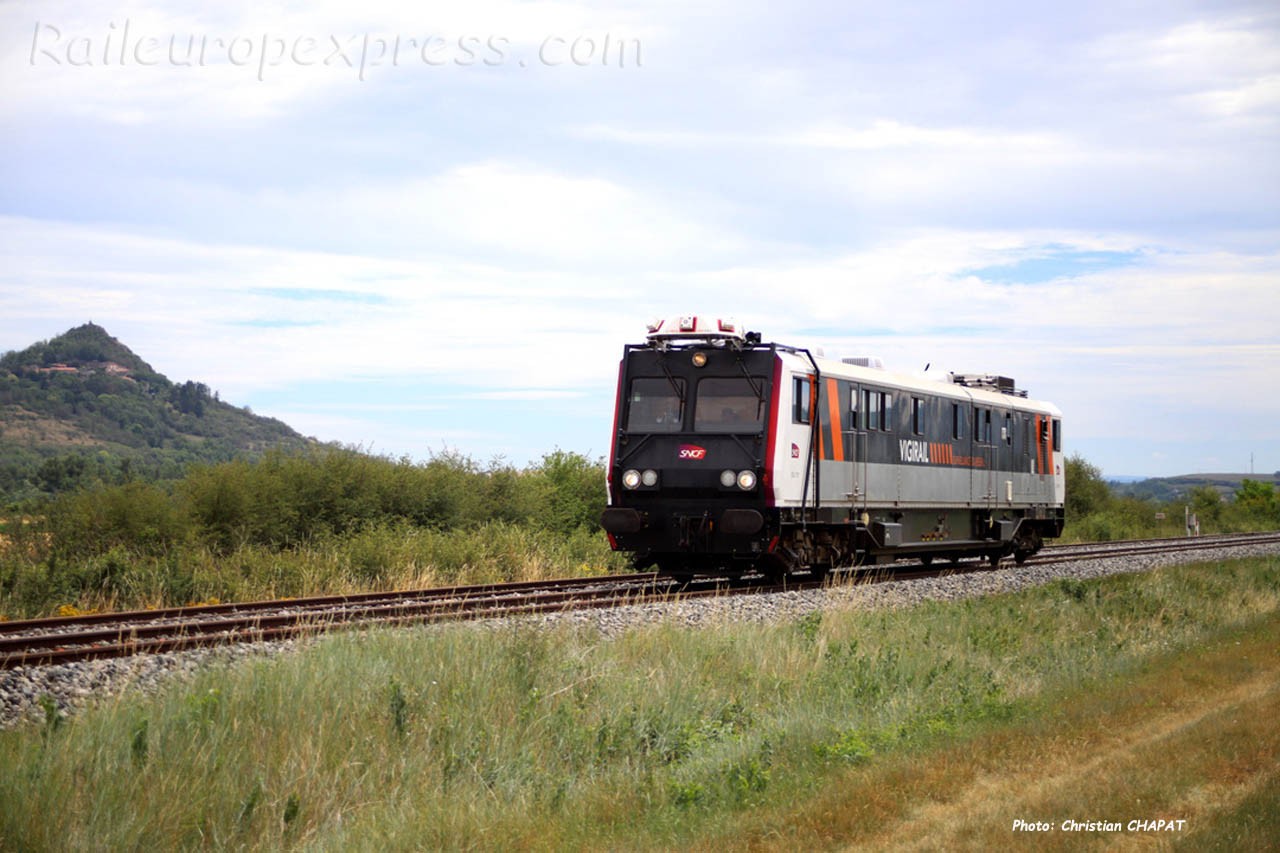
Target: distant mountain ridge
x,y
1173,488
83,407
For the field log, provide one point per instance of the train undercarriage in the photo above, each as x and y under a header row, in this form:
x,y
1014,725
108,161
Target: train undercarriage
x,y
788,544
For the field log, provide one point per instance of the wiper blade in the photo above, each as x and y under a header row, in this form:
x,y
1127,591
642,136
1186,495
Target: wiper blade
x,y
675,386
758,390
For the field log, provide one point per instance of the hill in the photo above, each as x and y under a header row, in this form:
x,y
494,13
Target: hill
x,y
1174,488
83,407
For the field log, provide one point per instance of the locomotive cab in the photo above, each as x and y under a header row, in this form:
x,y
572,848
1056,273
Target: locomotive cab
x,y
688,470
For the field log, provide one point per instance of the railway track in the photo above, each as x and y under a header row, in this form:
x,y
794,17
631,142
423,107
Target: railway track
x,y
38,642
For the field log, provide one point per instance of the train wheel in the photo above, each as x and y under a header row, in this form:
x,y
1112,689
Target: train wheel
x,y
677,570
994,558
775,568
1026,546
926,560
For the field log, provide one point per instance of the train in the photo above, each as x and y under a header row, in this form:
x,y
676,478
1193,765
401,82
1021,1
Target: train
x,y
731,455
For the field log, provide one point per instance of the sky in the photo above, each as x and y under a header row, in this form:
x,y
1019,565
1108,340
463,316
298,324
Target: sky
x,y
426,227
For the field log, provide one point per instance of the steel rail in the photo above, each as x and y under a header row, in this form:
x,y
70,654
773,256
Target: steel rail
x,y
175,629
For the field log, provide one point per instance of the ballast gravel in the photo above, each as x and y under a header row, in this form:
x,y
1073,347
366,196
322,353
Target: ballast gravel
x,y
33,693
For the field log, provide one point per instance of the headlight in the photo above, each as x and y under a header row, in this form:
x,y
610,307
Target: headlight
x,y
631,479
728,478
649,478
746,480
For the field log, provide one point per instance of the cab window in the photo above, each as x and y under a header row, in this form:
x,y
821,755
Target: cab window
x,y
655,405
730,404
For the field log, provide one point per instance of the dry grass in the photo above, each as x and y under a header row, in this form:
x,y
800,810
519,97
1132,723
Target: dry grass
x,y
934,727
1193,737
23,426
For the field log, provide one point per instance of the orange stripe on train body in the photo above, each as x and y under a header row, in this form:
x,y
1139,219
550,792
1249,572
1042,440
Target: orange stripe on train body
x,y
833,412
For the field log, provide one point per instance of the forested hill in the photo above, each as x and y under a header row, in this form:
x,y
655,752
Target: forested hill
x,y
83,408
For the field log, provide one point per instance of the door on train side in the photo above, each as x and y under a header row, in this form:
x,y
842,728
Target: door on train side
x,y
962,441
837,468
984,447
802,441
1024,466
857,444
1006,464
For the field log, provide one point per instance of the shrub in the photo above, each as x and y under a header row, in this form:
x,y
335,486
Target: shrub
x,y
136,516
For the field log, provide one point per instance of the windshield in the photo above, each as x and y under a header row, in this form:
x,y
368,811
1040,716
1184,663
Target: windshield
x,y
655,405
730,404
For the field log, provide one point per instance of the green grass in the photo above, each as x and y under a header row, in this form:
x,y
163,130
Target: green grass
x,y
664,737
379,557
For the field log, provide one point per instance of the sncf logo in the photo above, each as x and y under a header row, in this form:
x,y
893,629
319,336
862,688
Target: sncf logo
x,y
692,451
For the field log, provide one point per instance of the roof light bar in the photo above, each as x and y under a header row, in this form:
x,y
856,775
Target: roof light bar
x,y
690,327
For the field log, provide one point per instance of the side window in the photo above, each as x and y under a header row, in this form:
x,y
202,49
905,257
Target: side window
x,y
1057,436
853,410
803,397
982,426
1008,429
957,421
917,416
878,406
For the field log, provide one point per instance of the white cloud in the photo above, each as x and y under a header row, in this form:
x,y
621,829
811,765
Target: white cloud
x,y
848,176
888,134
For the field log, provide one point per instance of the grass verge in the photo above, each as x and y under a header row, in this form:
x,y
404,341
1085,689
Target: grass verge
x,y
376,558
1132,697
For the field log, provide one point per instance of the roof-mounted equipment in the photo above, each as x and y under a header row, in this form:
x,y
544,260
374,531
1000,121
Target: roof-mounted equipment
x,y
987,382
699,328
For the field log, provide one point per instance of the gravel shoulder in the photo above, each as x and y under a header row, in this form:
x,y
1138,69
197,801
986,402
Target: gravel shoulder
x,y
71,686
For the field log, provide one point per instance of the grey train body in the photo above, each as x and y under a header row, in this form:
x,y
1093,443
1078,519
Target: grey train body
x,y
732,455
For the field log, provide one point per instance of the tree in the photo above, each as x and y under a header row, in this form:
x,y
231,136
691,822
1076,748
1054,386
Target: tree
x,y
61,473
1258,499
1087,492
573,488
1206,503
189,397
